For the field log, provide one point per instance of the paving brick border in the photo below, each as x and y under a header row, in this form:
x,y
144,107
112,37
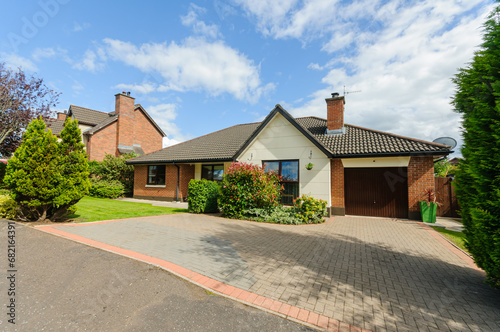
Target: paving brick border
x,y
275,307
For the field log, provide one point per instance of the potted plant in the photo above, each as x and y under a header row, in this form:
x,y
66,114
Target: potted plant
x,y
309,166
428,207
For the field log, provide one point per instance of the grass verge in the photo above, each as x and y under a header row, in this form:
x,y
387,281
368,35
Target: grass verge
x,y
96,209
457,238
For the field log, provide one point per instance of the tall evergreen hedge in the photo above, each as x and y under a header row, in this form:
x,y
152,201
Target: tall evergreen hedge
x,y
477,99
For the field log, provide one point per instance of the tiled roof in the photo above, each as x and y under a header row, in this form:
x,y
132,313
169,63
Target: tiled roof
x,y
355,142
217,146
56,126
87,116
101,125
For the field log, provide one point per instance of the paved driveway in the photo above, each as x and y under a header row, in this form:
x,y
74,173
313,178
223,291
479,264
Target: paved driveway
x,y
376,274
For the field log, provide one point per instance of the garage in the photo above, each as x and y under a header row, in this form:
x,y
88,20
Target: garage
x,y
377,192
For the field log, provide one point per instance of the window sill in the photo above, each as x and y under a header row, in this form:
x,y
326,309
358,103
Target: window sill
x,y
155,186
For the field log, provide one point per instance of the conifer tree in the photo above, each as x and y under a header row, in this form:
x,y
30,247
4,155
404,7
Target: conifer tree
x,y
477,99
47,177
33,173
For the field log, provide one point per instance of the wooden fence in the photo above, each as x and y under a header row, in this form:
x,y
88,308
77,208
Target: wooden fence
x,y
445,195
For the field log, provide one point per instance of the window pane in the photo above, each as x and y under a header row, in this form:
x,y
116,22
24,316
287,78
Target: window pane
x,y
290,171
160,174
218,172
151,174
289,193
206,172
272,166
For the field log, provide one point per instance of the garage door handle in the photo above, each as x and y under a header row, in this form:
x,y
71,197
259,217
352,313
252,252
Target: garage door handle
x,y
374,202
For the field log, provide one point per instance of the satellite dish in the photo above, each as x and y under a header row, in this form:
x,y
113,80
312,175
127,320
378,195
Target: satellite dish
x,y
446,141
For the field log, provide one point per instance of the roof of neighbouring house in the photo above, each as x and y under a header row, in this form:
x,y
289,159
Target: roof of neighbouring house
x,y
227,144
97,119
55,125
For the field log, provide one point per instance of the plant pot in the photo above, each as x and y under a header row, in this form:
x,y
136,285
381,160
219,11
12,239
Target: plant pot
x,y
309,166
428,211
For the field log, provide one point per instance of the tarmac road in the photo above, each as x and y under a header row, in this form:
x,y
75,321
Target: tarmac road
x,y
63,285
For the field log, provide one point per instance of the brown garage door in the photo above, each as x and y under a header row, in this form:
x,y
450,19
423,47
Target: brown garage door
x,y
378,192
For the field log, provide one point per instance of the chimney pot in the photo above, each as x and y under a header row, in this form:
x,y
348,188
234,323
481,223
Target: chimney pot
x,y
335,94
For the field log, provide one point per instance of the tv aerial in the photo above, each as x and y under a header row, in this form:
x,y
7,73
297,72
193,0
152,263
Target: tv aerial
x,y
446,141
348,92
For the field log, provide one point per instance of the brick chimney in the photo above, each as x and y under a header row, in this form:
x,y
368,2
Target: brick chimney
x,y
335,114
61,116
124,108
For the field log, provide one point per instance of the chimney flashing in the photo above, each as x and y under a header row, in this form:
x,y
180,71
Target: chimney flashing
x,y
340,131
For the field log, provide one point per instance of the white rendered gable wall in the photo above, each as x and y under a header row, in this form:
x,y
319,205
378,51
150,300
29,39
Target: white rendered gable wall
x,y
280,140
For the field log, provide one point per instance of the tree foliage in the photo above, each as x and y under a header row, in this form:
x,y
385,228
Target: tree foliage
x,y
443,167
477,99
111,170
47,177
22,99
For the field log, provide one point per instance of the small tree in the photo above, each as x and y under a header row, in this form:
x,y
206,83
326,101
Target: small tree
x,y
46,177
478,178
247,186
114,168
443,167
74,169
22,99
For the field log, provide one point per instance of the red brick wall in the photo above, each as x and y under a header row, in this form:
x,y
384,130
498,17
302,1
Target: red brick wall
x,y
145,133
420,178
124,107
335,113
101,142
337,181
170,190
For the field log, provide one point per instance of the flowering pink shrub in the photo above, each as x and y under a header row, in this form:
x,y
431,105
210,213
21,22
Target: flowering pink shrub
x,y
246,186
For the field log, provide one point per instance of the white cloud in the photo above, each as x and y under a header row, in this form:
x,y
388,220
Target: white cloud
x,y
165,115
14,61
49,52
404,69
91,61
199,27
143,88
77,27
194,64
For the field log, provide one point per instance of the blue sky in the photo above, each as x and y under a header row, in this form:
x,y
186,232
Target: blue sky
x,y
202,66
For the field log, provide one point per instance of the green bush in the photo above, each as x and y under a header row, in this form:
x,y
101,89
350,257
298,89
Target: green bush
x,y
114,168
202,196
276,215
246,186
8,207
106,188
310,210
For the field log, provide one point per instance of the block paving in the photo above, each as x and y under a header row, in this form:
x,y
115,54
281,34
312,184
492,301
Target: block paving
x,y
350,273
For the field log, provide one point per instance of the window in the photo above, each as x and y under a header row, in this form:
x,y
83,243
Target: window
x,y
156,174
212,172
288,170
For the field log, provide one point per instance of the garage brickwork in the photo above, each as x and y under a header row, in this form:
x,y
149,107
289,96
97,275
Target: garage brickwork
x,y
167,193
420,178
102,142
337,180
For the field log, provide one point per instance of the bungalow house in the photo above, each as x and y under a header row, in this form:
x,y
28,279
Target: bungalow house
x,y
128,129
358,171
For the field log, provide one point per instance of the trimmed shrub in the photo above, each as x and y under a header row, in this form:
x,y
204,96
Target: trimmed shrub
x,y
8,207
247,186
202,196
106,188
309,210
276,215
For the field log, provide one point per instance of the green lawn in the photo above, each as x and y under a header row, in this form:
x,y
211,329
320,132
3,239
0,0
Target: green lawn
x,y
95,209
457,238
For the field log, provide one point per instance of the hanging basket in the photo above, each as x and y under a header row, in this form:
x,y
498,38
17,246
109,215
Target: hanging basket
x,y
309,166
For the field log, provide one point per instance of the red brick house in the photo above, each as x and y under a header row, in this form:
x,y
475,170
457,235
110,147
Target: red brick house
x,y
358,171
128,129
